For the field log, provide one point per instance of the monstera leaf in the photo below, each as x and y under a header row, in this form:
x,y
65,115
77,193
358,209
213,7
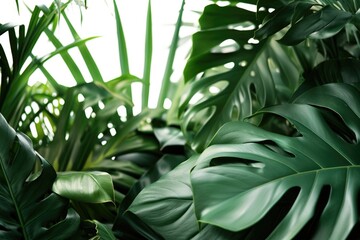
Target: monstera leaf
x,y
29,210
231,74
306,185
315,19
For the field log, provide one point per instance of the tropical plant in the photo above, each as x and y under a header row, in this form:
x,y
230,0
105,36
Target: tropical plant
x,y
269,115
278,151
29,209
80,129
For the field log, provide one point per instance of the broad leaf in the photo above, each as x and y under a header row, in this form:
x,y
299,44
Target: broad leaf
x,y
165,210
29,210
103,232
307,184
314,19
166,205
260,73
90,187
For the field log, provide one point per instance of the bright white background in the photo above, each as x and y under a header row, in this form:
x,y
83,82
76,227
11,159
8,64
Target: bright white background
x,y
98,20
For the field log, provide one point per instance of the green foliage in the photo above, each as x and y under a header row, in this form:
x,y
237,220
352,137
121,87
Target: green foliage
x,y
269,114
258,173
280,163
29,210
102,232
261,74
89,187
14,78
262,169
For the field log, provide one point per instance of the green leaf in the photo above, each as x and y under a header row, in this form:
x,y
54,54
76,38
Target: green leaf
x,y
306,185
85,53
166,205
323,24
164,91
261,74
166,208
124,222
103,232
90,187
148,59
6,27
29,210
169,137
123,56
314,19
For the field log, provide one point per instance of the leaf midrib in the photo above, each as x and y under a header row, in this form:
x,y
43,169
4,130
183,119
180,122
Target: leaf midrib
x,y
20,216
297,174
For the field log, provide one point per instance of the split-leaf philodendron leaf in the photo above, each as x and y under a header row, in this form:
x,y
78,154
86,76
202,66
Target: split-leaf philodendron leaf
x,y
313,177
29,210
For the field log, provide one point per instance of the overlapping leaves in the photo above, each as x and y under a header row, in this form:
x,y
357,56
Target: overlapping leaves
x,y
307,184
315,19
233,74
29,210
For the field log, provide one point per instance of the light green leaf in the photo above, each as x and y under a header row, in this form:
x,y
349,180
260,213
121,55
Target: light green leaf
x,y
103,232
90,187
306,184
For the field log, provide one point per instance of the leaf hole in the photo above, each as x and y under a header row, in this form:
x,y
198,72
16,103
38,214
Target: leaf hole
x,y
223,3
218,87
252,89
308,231
232,160
248,47
247,6
227,46
355,231
276,214
338,126
273,146
280,125
229,65
243,63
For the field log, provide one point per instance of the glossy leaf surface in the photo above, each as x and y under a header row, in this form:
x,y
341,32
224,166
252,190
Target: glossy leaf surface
x,y
230,75
29,210
90,187
318,170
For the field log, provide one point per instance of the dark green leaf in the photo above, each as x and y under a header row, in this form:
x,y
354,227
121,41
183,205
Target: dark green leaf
x,y
261,74
103,232
323,24
29,210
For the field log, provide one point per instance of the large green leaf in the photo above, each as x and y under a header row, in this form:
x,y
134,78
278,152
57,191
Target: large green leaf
x,y
29,210
166,205
90,187
261,73
306,186
165,210
103,232
314,19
